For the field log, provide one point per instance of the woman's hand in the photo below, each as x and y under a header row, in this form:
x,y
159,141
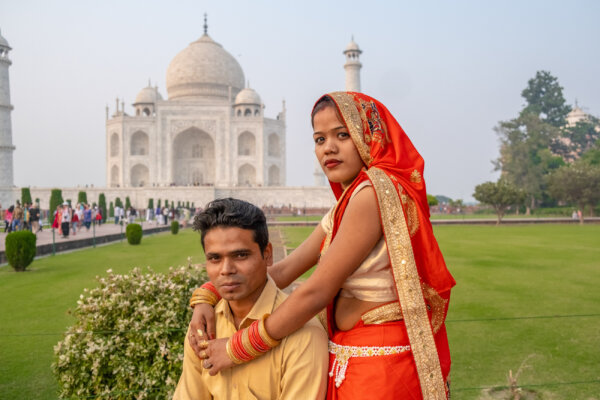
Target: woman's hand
x,y
216,358
202,327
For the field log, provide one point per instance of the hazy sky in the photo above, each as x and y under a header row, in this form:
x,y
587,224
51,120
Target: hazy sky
x,y
448,71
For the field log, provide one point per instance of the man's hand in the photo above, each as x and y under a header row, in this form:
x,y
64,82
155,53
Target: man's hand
x,y
202,327
217,358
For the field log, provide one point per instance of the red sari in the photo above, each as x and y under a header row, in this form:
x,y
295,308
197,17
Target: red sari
x,y
423,283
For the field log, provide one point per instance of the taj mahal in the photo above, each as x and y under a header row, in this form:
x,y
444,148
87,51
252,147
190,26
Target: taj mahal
x,y
211,131
209,138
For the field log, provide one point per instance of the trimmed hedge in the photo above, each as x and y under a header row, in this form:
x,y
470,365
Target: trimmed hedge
x,y
20,249
134,233
174,227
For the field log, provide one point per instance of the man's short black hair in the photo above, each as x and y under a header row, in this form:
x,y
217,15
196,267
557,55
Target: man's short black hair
x,y
233,213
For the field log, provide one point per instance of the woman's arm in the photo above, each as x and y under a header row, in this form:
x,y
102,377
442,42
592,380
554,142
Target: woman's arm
x,y
299,261
358,233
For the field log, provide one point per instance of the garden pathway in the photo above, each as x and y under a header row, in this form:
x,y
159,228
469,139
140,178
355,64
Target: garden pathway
x,y
45,236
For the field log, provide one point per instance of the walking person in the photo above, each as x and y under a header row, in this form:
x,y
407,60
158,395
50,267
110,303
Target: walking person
x,y
17,217
8,213
65,220
75,220
87,217
35,218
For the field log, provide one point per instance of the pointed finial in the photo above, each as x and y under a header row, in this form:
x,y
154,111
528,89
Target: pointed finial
x,y
149,83
576,105
205,25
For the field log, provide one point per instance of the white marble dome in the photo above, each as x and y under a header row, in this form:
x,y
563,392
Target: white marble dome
x,y
147,95
247,96
204,69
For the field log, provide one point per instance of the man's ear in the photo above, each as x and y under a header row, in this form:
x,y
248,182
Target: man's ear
x,y
268,254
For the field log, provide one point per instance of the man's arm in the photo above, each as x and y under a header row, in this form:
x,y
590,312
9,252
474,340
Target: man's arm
x,y
305,362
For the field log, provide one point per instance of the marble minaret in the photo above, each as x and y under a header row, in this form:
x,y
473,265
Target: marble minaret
x,y
6,146
352,67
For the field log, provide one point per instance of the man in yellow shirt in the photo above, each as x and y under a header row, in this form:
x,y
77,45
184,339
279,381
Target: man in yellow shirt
x,y
235,239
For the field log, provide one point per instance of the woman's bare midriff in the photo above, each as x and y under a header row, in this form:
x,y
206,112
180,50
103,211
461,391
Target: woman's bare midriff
x,y
349,309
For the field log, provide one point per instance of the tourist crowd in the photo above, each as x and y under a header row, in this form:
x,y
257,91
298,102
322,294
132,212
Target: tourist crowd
x,y
21,217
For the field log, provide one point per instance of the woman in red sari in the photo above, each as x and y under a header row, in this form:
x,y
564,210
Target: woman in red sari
x,y
380,274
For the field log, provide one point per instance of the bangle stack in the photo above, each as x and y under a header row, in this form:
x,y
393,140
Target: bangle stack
x,y
205,294
247,344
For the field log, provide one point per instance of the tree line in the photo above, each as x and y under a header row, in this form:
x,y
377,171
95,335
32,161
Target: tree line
x,y
544,160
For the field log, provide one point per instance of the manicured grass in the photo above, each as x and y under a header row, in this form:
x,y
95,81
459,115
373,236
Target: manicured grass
x,y
502,272
293,236
520,271
506,272
34,304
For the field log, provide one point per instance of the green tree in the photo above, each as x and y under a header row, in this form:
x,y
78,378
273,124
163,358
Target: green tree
x,y
150,204
545,99
167,203
118,202
25,196
56,199
432,200
102,206
111,210
530,142
187,204
82,197
592,156
127,203
577,183
500,195
158,204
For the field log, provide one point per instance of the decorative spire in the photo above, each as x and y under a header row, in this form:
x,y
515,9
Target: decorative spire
x,y
149,83
205,25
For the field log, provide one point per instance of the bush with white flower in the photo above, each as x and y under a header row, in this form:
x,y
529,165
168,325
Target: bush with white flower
x,y
127,342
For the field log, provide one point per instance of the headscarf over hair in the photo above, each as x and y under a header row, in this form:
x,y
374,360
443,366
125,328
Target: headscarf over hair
x,y
395,169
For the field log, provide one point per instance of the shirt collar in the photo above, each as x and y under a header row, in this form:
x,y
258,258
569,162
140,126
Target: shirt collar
x,y
264,305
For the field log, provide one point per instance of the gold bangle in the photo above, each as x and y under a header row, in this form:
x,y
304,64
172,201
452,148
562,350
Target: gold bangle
x,y
232,357
264,335
203,296
248,346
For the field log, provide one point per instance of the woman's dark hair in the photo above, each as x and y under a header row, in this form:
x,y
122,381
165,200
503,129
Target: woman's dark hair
x,y
233,213
323,103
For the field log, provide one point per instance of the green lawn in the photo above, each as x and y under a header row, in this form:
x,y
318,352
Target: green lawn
x,y
521,271
34,304
502,272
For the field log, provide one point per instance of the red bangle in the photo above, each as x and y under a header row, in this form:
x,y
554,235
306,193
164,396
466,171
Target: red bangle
x,y
211,287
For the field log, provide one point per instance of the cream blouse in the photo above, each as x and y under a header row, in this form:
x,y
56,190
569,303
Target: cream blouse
x,y
373,279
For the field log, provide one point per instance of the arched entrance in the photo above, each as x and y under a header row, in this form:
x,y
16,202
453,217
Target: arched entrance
x,y
193,158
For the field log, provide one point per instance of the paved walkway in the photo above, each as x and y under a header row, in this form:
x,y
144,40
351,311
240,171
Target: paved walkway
x,y
45,236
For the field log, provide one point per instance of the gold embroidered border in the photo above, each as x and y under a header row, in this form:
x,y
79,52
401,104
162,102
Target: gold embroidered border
x,y
408,286
351,116
382,314
437,304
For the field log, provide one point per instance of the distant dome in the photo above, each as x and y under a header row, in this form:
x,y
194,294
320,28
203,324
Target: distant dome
x,y
203,69
352,46
247,96
148,94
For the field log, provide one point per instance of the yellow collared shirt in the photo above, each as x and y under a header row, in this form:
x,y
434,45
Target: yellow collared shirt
x,y
296,369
